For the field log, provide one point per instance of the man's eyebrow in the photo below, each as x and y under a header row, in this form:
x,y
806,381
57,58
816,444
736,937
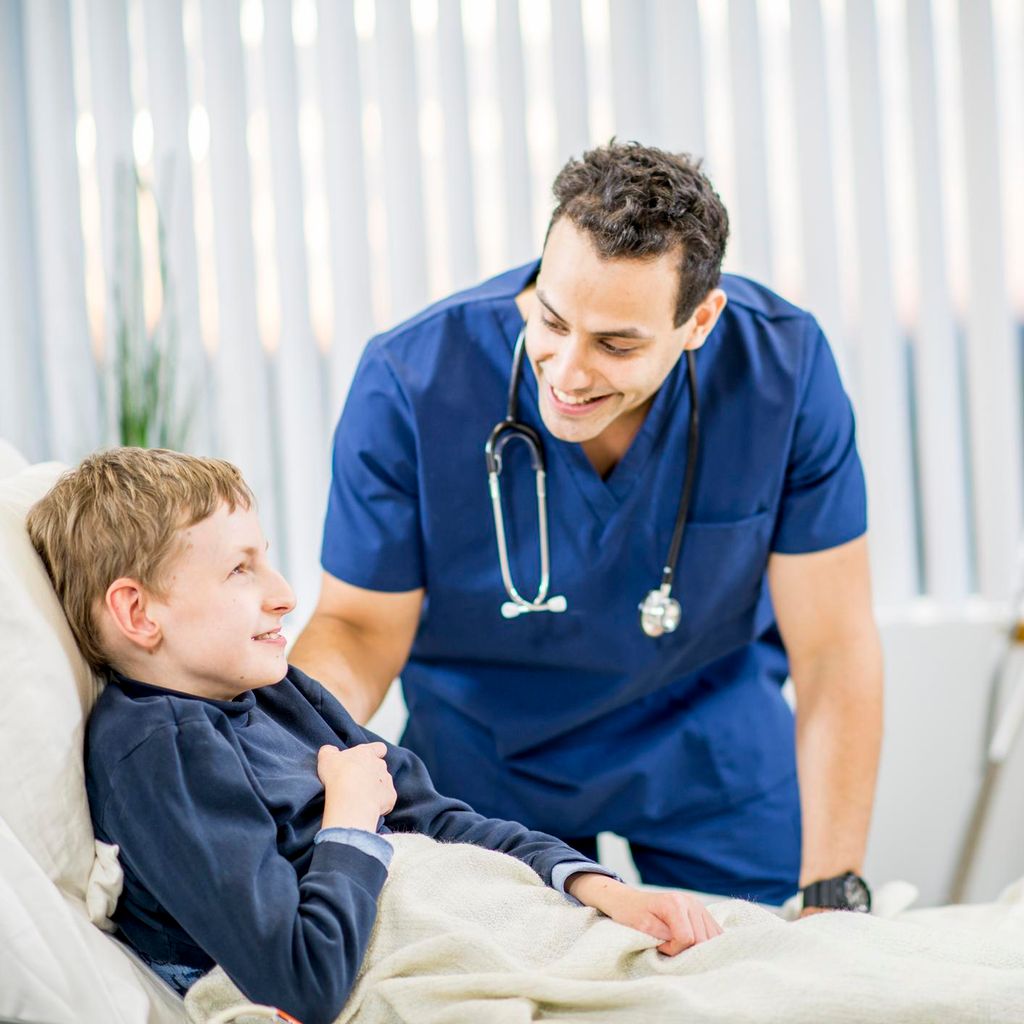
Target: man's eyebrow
x,y
547,305
619,332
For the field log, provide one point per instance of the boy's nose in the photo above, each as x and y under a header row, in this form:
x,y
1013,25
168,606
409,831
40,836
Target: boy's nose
x,y
281,597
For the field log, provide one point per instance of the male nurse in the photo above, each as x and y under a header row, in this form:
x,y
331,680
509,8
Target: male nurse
x,y
576,721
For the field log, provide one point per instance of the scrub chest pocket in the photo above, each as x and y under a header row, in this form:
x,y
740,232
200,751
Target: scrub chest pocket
x,y
720,583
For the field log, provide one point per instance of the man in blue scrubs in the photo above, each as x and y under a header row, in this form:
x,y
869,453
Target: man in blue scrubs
x,y
577,722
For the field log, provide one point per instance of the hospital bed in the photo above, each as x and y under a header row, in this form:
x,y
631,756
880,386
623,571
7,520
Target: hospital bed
x,y
57,885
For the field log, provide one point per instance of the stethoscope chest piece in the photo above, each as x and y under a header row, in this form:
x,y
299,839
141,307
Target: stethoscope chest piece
x,y
659,612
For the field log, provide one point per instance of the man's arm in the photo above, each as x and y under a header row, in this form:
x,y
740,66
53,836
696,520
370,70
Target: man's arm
x,y
823,608
357,642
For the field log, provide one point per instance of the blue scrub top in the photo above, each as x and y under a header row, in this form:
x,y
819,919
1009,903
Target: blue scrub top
x,y
578,722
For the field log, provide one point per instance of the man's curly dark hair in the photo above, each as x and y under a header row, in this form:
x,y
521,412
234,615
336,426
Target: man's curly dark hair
x,y
638,202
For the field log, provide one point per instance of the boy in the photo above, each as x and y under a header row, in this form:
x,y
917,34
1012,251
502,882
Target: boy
x,y
247,804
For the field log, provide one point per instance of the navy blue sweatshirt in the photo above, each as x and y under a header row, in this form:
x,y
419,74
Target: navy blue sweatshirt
x,y
215,806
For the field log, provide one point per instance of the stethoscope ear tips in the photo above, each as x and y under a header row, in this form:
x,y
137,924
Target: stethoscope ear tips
x,y
659,613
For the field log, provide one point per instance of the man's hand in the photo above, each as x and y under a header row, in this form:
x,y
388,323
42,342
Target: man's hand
x,y
357,786
676,917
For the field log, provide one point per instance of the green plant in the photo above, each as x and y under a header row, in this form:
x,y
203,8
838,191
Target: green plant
x,y
144,404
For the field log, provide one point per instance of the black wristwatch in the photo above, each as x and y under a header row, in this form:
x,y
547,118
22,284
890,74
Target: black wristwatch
x,y
844,892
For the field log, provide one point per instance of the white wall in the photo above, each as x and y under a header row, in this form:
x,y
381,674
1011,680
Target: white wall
x,y
939,675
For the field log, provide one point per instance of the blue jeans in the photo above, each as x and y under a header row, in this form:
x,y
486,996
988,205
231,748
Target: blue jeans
x,y
178,976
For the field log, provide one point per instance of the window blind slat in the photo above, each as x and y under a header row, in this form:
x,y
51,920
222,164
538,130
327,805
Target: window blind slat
x,y
569,72
750,159
878,342
243,396
521,245
940,427
110,91
677,75
458,157
818,229
993,361
24,416
629,25
172,175
70,373
341,100
396,79
302,427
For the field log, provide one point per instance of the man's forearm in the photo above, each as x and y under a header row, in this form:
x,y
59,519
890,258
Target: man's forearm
x,y
334,654
839,733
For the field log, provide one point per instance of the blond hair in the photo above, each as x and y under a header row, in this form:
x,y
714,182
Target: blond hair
x,y
118,514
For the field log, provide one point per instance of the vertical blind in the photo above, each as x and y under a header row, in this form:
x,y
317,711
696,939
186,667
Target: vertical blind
x,y
273,181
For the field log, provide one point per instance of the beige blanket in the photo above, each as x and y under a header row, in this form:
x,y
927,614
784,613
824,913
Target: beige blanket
x,y
468,935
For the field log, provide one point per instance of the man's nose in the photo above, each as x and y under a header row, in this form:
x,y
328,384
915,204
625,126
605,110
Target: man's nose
x,y
570,370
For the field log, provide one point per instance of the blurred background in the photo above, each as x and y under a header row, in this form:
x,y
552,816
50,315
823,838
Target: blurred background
x,y
208,206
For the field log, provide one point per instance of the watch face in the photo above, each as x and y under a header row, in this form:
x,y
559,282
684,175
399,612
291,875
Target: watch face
x,y
856,893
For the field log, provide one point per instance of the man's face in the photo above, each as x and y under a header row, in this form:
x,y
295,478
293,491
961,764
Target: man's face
x,y
220,619
602,340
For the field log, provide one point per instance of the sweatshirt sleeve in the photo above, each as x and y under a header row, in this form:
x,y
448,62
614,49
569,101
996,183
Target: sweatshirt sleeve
x,y
194,832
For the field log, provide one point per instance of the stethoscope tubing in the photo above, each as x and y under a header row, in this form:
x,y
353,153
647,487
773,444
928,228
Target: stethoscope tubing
x,y
511,428
692,452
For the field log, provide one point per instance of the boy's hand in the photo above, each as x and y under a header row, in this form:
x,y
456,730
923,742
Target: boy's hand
x,y
678,918
358,788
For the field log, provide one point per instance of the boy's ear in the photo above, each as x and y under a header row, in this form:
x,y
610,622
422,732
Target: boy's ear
x,y
126,602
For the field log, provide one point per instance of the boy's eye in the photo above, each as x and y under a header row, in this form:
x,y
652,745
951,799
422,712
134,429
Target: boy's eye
x,y
550,324
240,568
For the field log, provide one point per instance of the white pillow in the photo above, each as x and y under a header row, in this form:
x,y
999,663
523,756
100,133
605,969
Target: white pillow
x,y
57,967
48,692
11,460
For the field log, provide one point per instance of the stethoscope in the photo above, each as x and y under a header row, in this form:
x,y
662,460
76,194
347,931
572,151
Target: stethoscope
x,y
659,611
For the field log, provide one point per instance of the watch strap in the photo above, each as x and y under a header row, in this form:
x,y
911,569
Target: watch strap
x,y
826,892
835,893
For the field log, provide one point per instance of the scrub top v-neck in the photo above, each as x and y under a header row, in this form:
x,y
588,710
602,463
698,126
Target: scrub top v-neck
x,y
577,723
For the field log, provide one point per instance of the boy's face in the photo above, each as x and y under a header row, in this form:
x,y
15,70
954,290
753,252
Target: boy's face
x,y
220,619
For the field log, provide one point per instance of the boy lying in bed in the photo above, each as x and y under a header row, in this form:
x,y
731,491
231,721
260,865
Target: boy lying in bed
x,y
249,808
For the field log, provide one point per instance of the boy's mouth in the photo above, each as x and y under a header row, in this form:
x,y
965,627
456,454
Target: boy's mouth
x,y
271,636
